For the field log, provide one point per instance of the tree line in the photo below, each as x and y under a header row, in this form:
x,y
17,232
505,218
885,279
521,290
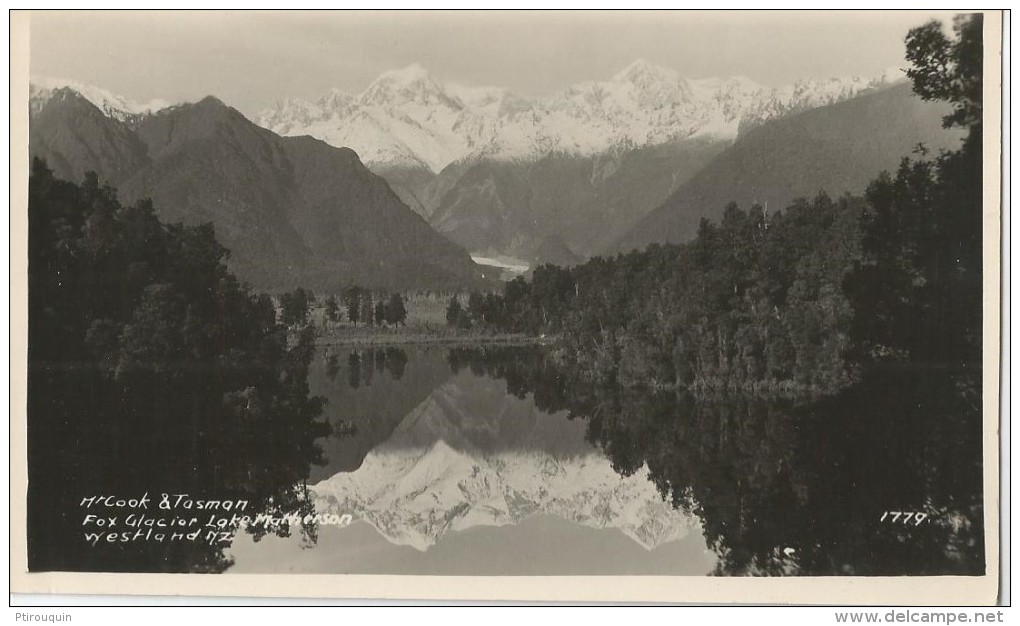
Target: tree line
x,y
295,307
361,308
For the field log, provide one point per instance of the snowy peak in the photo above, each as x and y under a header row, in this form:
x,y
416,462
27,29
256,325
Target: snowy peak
x,y
41,89
472,455
410,85
336,101
641,68
414,497
647,77
291,115
408,118
490,101
646,87
413,74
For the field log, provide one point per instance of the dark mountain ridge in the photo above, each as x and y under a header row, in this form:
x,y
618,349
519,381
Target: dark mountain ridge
x,y
292,210
837,148
511,207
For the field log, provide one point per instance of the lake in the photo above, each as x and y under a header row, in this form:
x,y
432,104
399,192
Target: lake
x,y
499,460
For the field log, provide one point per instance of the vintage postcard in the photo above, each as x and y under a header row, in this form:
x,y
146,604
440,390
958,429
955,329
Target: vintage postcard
x,y
572,306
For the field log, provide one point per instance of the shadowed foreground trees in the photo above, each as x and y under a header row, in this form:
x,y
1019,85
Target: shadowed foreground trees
x,y
918,291
151,369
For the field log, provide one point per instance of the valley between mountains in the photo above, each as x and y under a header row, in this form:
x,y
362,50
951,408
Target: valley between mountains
x,y
399,186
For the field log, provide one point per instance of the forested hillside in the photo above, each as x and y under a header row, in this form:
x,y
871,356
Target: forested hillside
x,y
797,300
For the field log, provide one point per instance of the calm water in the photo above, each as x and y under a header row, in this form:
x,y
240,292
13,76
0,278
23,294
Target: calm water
x,y
496,461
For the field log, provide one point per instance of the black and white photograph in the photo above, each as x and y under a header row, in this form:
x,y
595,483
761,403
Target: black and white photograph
x,y
685,295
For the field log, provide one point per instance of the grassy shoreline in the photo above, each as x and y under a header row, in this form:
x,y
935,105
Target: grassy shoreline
x,y
347,336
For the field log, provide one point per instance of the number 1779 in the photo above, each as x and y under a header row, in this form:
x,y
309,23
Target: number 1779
x,y
904,517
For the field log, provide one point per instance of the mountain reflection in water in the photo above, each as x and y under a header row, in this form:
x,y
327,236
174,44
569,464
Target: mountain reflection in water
x,y
496,460
471,460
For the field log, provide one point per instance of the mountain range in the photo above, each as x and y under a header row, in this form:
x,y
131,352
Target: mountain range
x,y
837,149
319,193
473,455
408,118
291,210
500,173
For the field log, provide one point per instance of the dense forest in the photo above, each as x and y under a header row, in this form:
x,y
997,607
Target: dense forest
x,y
152,367
793,300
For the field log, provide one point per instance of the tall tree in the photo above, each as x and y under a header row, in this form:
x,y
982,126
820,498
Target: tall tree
x,y
396,313
352,299
453,311
295,306
367,307
332,309
476,307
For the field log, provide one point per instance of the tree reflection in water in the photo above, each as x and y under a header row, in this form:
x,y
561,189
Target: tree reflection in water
x,y
792,486
151,370
256,452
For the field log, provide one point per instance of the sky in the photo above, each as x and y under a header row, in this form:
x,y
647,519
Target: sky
x,y
252,59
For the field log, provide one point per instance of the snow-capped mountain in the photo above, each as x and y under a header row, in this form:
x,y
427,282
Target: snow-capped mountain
x,y
408,118
443,471
41,89
838,148
499,174
414,497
